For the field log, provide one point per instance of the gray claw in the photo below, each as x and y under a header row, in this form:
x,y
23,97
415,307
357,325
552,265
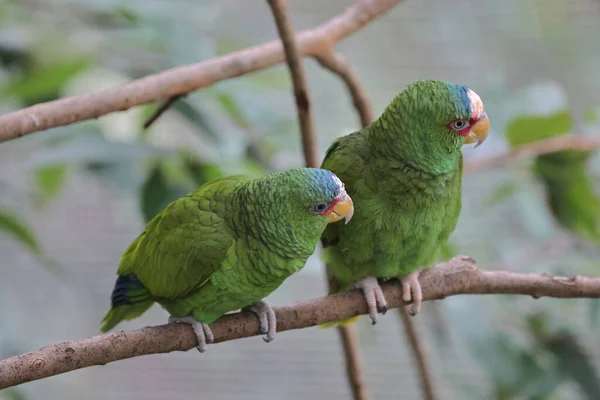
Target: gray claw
x,y
411,291
203,333
373,296
266,319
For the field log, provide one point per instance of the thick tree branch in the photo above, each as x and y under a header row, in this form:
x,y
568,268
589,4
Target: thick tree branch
x,y
455,277
185,79
301,89
537,148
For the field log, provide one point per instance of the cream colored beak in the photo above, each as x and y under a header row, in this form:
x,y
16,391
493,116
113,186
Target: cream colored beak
x,y
479,131
343,209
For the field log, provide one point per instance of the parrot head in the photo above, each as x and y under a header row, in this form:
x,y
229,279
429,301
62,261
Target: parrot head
x,y
316,193
296,206
431,120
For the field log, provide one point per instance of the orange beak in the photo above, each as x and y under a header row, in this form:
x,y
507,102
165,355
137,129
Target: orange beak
x,y
479,131
343,209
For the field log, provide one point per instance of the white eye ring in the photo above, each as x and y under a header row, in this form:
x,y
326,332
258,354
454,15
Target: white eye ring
x,y
459,124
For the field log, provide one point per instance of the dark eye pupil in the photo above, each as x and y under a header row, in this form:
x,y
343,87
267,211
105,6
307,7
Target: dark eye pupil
x,y
321,207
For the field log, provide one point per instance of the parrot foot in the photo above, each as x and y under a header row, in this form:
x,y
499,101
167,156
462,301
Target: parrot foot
x,y
373,296
266,319
411,290
202,331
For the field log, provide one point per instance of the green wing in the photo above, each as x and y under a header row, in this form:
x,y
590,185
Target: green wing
x,y
346,157
185,244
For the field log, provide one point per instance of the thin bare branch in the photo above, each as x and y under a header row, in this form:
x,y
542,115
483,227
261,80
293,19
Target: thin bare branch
x,y
418,348
164,106
529,150
337,63
455,277
354,370
301,89
186,79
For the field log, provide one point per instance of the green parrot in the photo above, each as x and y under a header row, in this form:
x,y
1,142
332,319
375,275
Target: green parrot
x,y
226,246
404,175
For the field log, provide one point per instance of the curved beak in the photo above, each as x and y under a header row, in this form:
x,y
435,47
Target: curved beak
x,y
479,131
343,209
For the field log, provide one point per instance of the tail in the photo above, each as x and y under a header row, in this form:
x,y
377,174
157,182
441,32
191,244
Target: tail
x,y
336,286
129,300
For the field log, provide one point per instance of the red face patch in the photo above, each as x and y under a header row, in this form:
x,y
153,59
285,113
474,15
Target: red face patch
x,y
332,204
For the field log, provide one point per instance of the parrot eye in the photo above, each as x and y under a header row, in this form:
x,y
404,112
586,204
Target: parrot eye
x,y
459,124
320,207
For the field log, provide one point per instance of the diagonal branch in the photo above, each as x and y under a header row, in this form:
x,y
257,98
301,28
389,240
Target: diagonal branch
x,y
186,79
418,348
455,277
537,148
301,90
337,63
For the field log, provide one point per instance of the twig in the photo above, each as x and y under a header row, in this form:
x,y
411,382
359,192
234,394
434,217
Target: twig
x,y
337,63
164,106
538,148
418,349
186,79
354,370
301,90
457,276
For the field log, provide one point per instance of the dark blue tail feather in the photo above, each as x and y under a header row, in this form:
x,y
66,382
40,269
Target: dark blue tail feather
x,y
124,283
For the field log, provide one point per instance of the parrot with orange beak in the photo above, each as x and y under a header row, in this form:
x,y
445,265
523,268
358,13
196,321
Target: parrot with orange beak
x,y
227,245
404,174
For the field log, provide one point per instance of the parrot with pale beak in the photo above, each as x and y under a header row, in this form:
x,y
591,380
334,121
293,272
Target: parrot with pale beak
x,y
404,174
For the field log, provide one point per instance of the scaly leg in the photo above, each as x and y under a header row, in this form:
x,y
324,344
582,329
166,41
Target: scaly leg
x,y
266,318
202,331
411,290
373,296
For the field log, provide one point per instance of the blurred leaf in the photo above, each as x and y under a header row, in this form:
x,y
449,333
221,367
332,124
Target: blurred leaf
x,y
157,193
203,173
231,107
228,45
14,227
196,116
44,84
590,116
515,370
272,78
90,148
501,193
14,58
49,180
118,17
530,128
13,394
574,362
